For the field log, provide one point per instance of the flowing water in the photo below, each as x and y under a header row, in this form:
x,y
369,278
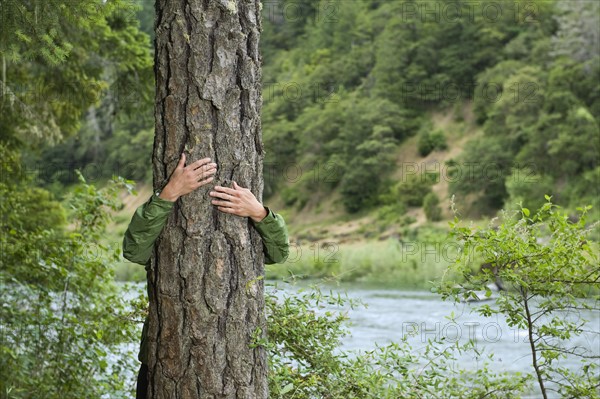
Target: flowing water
x,y
392,314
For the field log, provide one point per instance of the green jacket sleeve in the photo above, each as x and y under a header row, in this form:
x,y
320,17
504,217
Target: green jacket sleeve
x,y
144,228
273,232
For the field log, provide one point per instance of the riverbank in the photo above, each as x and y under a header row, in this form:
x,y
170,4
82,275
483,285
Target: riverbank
x,y
389,263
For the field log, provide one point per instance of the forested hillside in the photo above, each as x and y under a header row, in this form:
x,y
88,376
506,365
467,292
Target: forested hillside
x,y
348,82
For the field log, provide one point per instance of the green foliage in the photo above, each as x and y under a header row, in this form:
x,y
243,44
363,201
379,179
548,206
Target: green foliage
x,y
146,14
431,207
62,314
578,21
130,153
358,186
490,87
587,190
304,335
333,79
482,170
429,142
59,58
351,142
391,213
542,105
552,273
412,189
317,113
33,210
525,186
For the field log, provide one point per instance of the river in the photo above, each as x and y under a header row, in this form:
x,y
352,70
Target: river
x,y
392,313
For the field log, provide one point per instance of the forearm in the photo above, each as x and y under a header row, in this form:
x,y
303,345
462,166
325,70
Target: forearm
x,y
273,231
144,228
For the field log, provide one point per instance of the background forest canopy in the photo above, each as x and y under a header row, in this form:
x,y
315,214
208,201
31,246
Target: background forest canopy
x,y
345,84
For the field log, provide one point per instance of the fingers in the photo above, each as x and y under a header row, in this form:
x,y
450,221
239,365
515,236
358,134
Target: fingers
x,y
204,182
201,169
181,163
238,187
224,196
205,170
228,207
199,163
228,210
226,204
229,203
226,190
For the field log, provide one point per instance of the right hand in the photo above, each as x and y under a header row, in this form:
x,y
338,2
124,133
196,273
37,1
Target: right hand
x,y
186,179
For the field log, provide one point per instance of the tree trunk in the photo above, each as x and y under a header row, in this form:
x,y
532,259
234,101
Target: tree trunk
x,y
205,279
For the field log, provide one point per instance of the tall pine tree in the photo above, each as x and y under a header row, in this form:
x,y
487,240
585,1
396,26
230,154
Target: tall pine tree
x,y
206,292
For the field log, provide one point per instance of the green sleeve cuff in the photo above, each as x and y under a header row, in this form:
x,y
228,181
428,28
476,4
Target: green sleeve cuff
x,y
273,232
160,202
269,219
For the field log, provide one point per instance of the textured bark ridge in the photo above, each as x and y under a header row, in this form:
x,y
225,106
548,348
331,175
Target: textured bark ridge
x,y
205,287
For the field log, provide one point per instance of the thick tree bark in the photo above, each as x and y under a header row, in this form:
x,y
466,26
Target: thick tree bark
x,y
205,286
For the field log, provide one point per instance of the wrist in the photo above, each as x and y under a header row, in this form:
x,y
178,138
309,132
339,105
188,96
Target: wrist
x,y
168,194
259,215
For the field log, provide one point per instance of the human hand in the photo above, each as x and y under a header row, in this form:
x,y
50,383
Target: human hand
x,y
238,201
186,179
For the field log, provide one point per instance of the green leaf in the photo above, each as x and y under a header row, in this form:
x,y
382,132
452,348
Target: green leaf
x,y
287,388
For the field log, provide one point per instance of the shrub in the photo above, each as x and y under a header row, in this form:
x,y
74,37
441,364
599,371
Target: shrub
x,y
431,207
292,196
61,313
363,182
414,188
549,267
429,142
390,214
527,187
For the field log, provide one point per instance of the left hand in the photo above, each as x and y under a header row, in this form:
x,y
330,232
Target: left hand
x,y
238,201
